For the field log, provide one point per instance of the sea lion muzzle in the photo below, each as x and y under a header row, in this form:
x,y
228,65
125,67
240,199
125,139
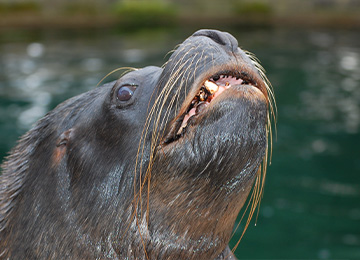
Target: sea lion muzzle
x,y
156,165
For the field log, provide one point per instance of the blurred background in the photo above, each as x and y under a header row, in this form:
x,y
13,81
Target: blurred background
x,y
52,50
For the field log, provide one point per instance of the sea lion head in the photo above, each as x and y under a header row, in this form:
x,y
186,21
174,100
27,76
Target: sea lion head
x,y
155,165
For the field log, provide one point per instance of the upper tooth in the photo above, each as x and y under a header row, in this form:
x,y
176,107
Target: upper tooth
x,y
211,86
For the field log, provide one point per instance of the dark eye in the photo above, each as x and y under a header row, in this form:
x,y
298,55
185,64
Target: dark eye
x,y
125,93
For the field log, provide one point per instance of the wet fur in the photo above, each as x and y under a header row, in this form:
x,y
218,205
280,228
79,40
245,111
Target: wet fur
x,y
93,178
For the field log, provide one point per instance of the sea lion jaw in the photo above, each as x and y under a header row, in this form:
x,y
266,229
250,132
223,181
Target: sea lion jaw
x,y
209,91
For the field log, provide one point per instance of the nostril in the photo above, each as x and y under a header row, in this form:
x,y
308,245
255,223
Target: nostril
x,y
214,35
221,38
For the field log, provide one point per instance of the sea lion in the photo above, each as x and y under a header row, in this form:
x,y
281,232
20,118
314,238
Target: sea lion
x,y
156,165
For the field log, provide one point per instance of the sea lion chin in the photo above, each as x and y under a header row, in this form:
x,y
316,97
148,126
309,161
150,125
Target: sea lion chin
x,y
156,165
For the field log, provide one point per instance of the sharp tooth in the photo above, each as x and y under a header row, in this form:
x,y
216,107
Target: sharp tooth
x,y
211,87
181,129
202,95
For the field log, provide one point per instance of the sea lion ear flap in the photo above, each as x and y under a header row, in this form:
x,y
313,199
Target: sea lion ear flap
x,y
61,146
64,138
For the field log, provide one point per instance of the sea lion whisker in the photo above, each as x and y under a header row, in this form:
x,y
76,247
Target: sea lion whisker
x,y
273,109
175,57
141,237
128,69
197,63
256,194
153,109
165,120
242,217
154,139
267,83
168,86
167,54
132,215
167,90
272,103
182,83
252,202
269,136
258,188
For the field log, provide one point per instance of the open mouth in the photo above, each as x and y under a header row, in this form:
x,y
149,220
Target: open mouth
x,y
209,90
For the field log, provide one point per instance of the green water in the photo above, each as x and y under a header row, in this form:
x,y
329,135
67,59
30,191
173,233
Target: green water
x,y
311,205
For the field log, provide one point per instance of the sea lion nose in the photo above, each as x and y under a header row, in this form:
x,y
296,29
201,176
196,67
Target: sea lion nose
x,y
222,38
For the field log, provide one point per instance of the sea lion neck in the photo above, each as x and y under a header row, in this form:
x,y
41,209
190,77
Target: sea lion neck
x,y
194,214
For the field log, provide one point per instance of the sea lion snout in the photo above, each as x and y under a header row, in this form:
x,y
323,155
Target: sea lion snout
x,y
222,38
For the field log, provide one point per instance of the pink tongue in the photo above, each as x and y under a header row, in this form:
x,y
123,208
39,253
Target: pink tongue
x,y
221,89
188,115
186,118
225,83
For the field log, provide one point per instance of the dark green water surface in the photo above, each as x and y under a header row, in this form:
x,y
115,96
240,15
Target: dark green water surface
x,y
311,204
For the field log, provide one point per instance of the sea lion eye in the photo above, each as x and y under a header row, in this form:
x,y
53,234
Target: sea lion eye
x,y
125,92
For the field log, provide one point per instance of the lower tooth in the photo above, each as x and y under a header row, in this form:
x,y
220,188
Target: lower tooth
x,y
202,95
179,132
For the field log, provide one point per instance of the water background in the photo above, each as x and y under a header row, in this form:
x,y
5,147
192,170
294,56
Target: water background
x,y
311,205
